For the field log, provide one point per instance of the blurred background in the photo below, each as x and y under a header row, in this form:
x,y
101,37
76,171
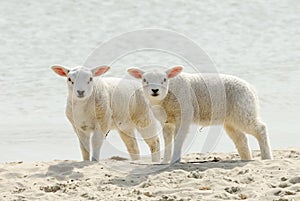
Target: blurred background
x,y
255,40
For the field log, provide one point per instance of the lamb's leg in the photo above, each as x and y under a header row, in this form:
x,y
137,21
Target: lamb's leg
x,y
180,134
259,131
149,134
240,140
97,141
84,140
129,139
168,133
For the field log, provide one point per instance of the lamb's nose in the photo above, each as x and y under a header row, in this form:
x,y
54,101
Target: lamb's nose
x,y
80,93
155,90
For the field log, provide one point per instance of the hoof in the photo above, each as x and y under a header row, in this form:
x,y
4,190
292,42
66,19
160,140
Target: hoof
x,y
94,159
164,163
174,161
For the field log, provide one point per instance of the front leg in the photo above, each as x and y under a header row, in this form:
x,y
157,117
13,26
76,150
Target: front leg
x,y
97,141
84,141
84,138
181,132
168,134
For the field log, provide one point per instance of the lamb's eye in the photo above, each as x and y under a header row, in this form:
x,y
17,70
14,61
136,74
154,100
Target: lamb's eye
x,y
144,80
91,79
165,79
69,79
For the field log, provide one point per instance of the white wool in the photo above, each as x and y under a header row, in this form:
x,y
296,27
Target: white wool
x,y
204,99
112,103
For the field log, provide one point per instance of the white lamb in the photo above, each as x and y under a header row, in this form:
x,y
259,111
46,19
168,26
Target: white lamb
x,y
97,106
188,98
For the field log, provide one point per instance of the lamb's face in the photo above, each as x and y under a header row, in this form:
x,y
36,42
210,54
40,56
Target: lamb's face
x,y
155,83
80,83
80,80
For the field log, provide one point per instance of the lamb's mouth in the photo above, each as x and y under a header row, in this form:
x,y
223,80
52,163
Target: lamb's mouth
x,y
80,96
155,94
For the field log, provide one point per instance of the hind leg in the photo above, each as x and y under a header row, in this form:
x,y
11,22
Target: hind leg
x,y
129,139
150,136
259,131
240,140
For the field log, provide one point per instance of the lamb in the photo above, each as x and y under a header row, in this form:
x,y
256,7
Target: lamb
x,y
188,98
97,106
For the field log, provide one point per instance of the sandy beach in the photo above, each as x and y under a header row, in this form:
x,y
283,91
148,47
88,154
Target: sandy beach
x,y
215,176
257,41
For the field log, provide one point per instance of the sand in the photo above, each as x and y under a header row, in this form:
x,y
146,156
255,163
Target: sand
x,y
216,176
257,41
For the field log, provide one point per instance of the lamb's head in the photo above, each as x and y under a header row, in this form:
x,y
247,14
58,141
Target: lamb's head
x,y
80,79
155,83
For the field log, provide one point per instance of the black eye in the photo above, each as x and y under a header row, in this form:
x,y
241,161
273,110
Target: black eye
x,y
144,80
91,79
69,79
165,79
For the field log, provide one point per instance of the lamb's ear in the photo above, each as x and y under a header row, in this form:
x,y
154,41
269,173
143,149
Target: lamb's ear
x,y
174,71
100,70
135,72
60,70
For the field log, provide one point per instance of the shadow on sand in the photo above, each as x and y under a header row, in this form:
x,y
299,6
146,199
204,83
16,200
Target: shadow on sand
x,y
135,173
65,170
140,173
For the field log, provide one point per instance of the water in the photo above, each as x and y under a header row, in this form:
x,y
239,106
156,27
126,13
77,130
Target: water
x,y
258,42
